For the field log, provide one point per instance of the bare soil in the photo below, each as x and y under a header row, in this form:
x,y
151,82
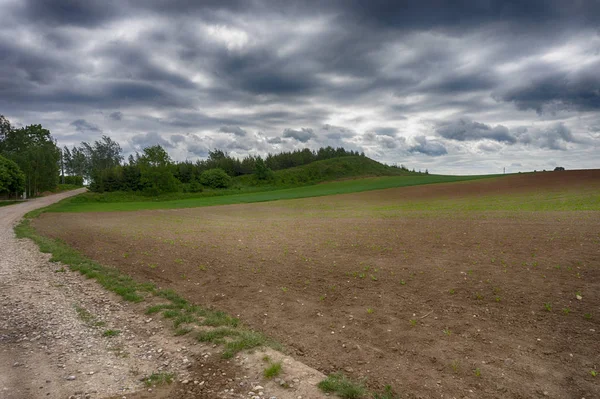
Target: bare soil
x,y
463,304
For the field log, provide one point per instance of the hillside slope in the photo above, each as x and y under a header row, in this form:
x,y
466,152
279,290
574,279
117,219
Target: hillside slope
x,y
326,170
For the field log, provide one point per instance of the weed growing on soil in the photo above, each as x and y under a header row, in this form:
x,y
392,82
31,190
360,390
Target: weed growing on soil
x,y
548,306
566,310
182,331
370,311
84,314
342,386
593,373
455,366
413,322
587,316
447,331
159,379
477,372
111,333
273,370
238,340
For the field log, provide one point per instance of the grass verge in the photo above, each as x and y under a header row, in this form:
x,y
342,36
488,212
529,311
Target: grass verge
x,y
344,387
224,330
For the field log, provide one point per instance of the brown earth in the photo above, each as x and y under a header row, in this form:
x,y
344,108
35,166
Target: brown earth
x,y
444,304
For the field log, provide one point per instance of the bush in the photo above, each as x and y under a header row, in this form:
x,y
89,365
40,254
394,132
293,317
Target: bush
x,y
215,178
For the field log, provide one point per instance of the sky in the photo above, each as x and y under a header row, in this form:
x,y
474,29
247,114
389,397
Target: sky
x,y
462,87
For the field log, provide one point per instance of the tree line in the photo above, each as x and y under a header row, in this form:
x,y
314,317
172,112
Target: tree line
x,y
153,171
32,162
29,159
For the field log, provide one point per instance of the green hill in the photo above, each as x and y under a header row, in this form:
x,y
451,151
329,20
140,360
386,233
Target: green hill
x,y
326,170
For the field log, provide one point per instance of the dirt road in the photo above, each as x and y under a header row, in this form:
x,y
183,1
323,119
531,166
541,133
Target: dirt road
x,y
51,324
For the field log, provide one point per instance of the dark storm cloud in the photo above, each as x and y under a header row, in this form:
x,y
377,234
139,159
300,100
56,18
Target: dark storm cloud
x,y
236,130
81,125
466,130
302,135
427,147
352,73
559,90
68,12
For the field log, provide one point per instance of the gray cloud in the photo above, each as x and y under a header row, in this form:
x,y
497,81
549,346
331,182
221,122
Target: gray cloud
x,y
385,131
149,139
236,130
177,138
363,75
467,130
274,140
427,147
558,90
302,135
116,116
554,137
81,125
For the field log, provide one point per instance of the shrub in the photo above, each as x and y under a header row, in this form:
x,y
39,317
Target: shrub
x,y
215,178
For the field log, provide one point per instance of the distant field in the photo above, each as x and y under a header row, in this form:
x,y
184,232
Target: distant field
x,y
485,288
95,203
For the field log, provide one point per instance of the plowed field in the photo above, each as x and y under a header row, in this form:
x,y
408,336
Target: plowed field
x,y
477,289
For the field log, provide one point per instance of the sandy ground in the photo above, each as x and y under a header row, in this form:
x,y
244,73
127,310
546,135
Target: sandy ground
x,y
52,344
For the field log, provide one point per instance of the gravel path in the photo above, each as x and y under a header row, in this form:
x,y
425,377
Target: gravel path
x,y
52,323
53,342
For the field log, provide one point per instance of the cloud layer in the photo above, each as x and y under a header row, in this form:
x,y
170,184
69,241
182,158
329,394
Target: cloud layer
x,y
470,88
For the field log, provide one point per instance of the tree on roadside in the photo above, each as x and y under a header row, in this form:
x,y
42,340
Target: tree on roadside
x,y
33,149
12,180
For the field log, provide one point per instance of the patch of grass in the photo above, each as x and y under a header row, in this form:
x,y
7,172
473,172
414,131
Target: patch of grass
x,y
111,333
217,335
84,315
157,308
182,331
218,319
273,370
159,379
245,340
342,386
6,203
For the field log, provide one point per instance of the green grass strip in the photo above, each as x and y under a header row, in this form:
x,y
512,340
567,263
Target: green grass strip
x,y
91,202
